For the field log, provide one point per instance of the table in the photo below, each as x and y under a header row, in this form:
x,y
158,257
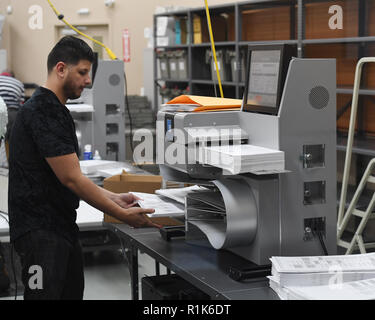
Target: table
x,y
88,219
202,266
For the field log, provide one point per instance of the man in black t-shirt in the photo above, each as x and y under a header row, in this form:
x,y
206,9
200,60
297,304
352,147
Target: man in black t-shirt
x,y
46,183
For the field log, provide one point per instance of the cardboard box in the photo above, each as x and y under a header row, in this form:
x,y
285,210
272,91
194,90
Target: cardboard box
x,y
137,183
184,30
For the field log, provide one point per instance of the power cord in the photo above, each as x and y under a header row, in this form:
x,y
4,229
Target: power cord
x,y
12,261
61,17
320,237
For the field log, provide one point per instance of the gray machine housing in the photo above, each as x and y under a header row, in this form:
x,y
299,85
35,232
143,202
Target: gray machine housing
x,y
290,206
104,128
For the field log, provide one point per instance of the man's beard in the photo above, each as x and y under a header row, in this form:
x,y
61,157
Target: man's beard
x,y
70,91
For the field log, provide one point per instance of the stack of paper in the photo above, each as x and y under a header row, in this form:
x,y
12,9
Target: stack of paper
x,y
118,169
355,290
179,107
80,107
178,194
205,206
93,166
164,207
206,210
243,158
323,277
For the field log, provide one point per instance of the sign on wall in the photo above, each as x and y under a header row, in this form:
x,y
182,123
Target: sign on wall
x,y
126,45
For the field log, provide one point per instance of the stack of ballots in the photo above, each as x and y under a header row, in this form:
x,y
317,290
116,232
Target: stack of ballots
x,y
243,158
347,277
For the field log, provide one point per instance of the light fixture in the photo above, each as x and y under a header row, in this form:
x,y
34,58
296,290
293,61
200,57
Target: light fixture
x,y
109,3
70,32
83,11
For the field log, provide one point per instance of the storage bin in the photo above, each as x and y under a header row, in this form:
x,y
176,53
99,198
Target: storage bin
x,y
232,59
223,65
182,64
173,65
163,64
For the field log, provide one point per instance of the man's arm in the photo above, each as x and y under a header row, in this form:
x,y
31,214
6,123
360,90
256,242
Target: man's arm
x,y
124,200
68,171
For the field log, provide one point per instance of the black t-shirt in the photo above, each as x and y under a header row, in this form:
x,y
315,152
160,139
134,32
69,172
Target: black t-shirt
x,y
36,198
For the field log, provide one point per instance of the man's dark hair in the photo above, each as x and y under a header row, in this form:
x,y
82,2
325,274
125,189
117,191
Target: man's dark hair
x,y
69,50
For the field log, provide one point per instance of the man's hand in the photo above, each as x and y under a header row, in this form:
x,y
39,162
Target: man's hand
x,y
126,200
68,171
137,217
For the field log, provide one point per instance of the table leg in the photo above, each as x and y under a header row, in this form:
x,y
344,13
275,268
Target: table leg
x,y
131,253
134,272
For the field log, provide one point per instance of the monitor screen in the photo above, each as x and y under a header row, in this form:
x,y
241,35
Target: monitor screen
x,y
264,78
267,66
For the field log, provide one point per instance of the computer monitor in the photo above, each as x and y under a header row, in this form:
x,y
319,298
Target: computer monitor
x,y
267,67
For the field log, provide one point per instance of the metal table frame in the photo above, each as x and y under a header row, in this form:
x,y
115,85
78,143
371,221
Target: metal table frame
x,y
202,266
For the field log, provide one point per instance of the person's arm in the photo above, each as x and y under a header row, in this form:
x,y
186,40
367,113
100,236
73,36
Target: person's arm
x,y
68,171
125,200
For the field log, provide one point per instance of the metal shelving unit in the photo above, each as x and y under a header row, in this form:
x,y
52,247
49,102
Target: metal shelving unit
x,y
297,31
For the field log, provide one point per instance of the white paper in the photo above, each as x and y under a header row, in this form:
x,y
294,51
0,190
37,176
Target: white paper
x,y
87,214
345,263
248,151
340,277
110,172
211,199
162,207
319,278
161,26
242,158
80,107
162,41
356,290
178,194
92,166
179,107
215,232
275,286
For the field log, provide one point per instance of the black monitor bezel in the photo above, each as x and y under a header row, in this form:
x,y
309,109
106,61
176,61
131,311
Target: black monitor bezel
x,y
287,52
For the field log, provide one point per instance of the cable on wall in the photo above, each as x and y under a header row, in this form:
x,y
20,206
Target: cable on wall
x,y
61,17
213,48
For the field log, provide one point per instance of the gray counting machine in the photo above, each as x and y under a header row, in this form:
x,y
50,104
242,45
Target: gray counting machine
x,y
268,171
99,113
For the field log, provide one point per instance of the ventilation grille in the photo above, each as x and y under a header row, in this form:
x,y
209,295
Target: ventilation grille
x,y
319,97
114,80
